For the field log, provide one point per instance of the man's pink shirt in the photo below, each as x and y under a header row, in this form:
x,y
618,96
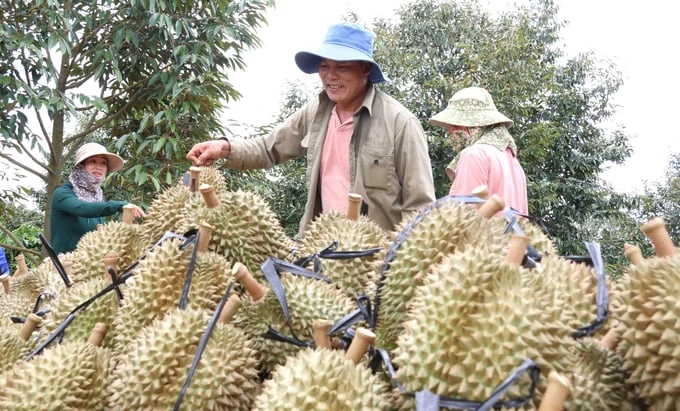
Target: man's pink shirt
x,y
335,164
481,164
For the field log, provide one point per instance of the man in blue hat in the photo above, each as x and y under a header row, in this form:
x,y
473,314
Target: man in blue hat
x,y
356,138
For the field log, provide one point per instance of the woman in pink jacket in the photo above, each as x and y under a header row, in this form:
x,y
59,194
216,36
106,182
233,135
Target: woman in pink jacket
x,y
487,153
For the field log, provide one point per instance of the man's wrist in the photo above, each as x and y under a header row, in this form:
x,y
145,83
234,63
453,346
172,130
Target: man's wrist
x,y
225,148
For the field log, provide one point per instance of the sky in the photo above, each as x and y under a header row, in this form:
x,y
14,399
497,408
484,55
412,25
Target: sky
x,y
640,39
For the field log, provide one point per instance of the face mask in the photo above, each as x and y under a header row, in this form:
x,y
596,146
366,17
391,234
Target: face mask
x,y
459,139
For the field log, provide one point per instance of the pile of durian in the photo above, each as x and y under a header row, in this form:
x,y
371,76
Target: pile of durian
x,y
207,304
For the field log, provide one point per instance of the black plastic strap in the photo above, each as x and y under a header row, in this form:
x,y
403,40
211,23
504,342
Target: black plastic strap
x,y
363,313
430,401
55,260
184,298
201,347
601,296
114,279
330,253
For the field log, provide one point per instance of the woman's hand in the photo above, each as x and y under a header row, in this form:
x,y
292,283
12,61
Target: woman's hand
x,y
137,212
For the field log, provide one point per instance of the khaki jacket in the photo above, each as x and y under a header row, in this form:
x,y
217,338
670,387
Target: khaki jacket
x,y
389,162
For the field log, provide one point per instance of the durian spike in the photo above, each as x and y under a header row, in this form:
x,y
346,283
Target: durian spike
x,y
655,230
6,282
110,261
128,214
205,231
32,322
481,192
363,338
556,392
209,196
321,338
194,179
516,249
22,268
241,273
354,208
229,310
491,206
612,338
97,335
633,253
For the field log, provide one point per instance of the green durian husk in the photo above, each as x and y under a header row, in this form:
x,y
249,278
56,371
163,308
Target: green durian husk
x,y
597,378
102,310
322,379
156,286
152,371
70,376
14,348
112,237
648,310
464,331
354,276
245,230
308,300
445,229
164,213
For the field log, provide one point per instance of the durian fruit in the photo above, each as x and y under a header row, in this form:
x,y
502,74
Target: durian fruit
x,y
649,313
156,286
17,342
355,276
153,370
102,310
245,229
70,376
439,230
597,378
164,213
325,379
465,327
308,299
112,237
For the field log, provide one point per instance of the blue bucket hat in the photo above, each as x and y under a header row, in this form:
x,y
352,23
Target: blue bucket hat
x,y
343,42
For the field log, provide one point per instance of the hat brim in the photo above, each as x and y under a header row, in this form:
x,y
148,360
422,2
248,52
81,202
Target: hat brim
x,y
481,118
113,161
309,61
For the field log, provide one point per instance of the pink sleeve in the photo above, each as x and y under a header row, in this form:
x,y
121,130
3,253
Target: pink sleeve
x,y
472,171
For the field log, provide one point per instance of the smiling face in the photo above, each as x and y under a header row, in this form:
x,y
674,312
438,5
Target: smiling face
x,y
96,166
345,82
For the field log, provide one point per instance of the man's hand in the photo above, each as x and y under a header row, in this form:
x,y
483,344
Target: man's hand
x,y
205,154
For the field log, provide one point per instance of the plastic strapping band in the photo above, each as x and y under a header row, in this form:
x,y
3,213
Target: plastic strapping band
x,y
55,260
330,253
114,278
363,313
201,346
184,298
601,296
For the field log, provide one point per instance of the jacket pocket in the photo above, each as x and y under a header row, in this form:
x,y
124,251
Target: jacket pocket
x,y
377,165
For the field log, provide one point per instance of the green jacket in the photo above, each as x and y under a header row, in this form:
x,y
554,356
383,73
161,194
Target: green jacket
x,y
71,217
389,162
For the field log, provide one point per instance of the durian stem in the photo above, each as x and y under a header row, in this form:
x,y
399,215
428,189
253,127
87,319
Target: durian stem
x,y
556,392
481,192
6,282
128,214
354,207
363,338
243,276
22,268
205,231
194,179
230,308
516,249
611,339
491,206
110,260
32,322
97,335
321,338
209,196
633,253
655,230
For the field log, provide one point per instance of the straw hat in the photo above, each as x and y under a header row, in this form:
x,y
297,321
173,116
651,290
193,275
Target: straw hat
x,y
470,107
343,42
88,150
